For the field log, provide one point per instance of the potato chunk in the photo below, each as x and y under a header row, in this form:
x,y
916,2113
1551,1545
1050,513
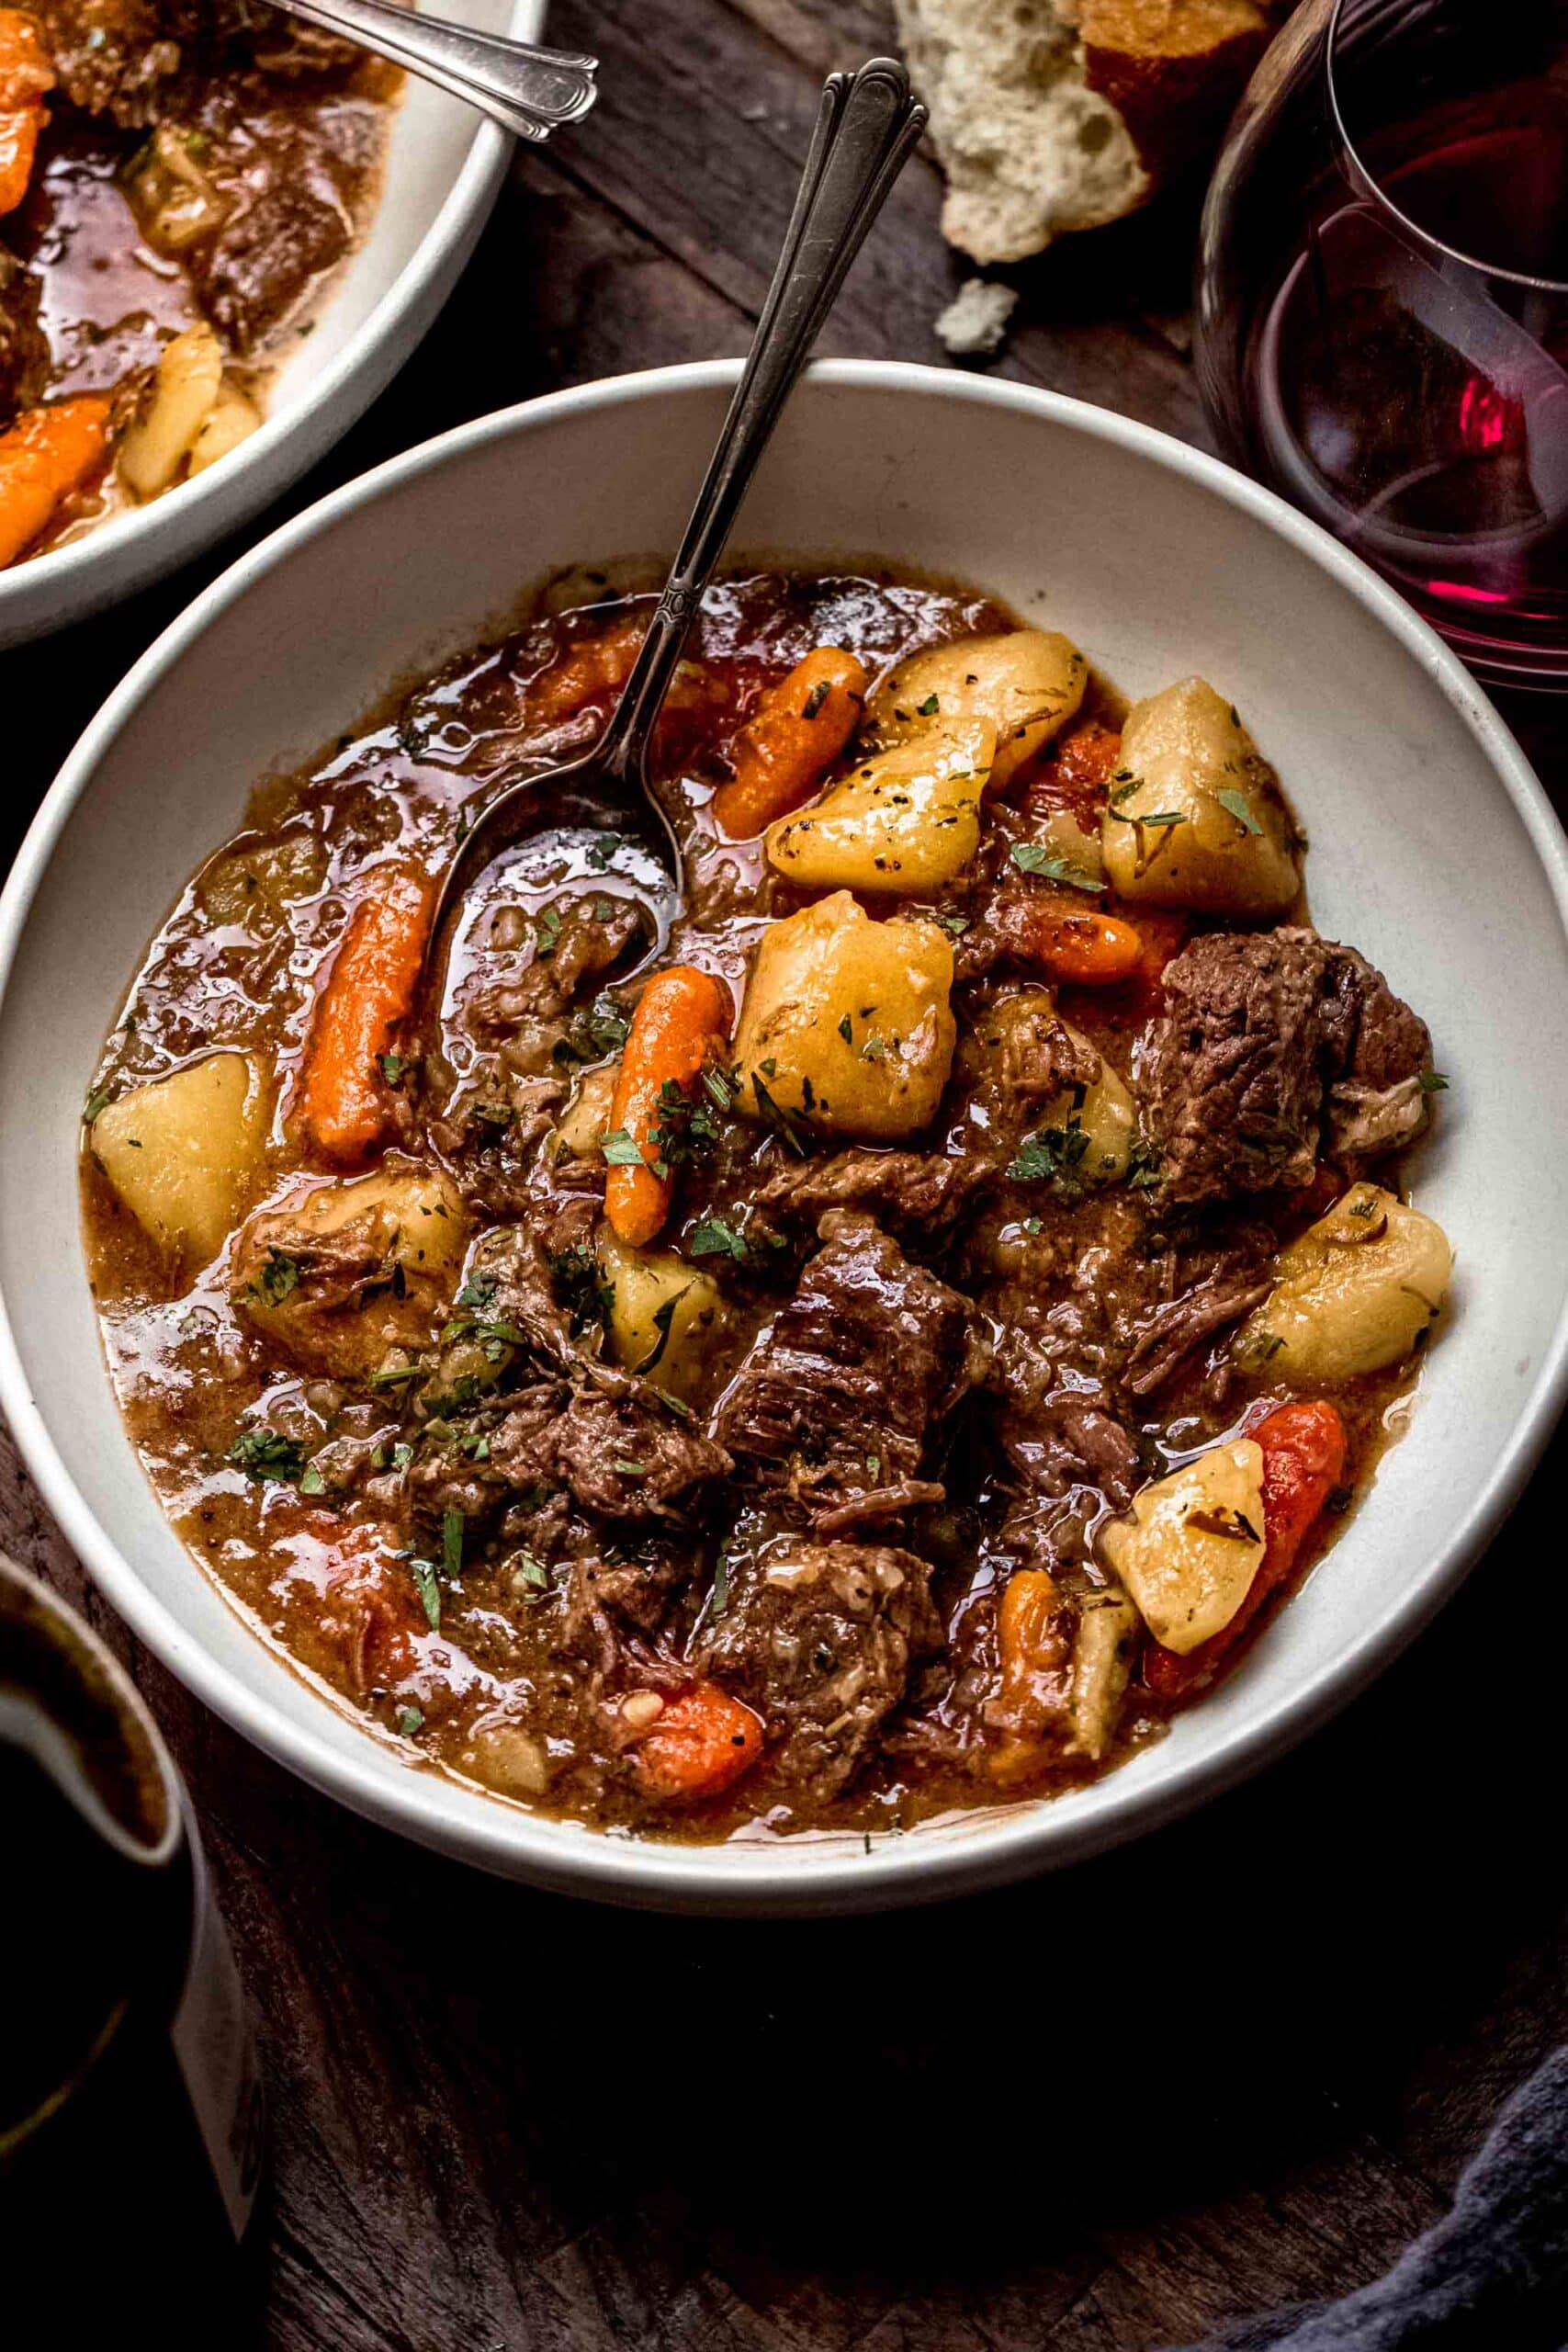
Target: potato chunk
x,y
900,824
1356,1291
354,1269
664,1315
184,390
1193,1544
846,1023
185,1152
585,1122
1104,1112
1196,817
1026,684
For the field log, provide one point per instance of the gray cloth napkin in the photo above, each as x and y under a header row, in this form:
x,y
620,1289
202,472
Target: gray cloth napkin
x,y
1492,2276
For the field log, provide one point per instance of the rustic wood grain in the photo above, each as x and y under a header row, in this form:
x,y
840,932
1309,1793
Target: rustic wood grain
x,y
1239,2064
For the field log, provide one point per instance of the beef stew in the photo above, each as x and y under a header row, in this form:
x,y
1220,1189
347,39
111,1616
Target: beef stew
x,y
179,180
885,1352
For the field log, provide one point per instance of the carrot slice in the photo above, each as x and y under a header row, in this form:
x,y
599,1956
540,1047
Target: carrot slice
x,y
791,740
26,75
682,1015
345,1108
47,454
702,1741
1073,943
1303,1461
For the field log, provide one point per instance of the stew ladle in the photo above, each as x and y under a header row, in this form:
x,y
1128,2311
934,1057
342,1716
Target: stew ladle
x,y
529,90
866,127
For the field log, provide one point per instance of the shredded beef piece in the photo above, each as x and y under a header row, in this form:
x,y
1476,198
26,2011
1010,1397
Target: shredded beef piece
x,y
1272,1046
23,348
819,1639
838,1395
1167,1336
527,1272
625,1459
915,1193
128,58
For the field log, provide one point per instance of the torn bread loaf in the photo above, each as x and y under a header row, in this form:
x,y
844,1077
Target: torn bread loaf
x,y
1051,114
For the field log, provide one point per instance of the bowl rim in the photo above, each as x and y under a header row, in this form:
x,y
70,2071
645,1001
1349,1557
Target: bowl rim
x,y
757,1878
51,591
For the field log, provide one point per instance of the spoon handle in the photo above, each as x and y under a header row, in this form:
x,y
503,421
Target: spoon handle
x,y
867,124
526,90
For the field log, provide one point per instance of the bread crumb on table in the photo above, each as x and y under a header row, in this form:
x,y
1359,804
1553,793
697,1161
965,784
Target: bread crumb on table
x,y
976,322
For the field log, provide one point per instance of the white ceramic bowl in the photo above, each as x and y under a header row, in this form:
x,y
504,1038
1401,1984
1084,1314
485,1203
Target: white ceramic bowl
x,y
443,170
1433,849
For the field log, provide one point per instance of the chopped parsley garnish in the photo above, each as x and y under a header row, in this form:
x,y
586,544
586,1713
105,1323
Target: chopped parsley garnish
x,y
452,1530
1053,1152
428,1586
1432,1081
847,1030
495,1116
595,1030
312,1483
264,1454
663,1318
622,1150
816,698
99,1100
687,1127
547,931
712,1237
601,856
1239,806
580,1287
478,1292
1143,1166
956,924
392,1067
929,708
774,1115
1034,857
529,1571
410,1721
277,1277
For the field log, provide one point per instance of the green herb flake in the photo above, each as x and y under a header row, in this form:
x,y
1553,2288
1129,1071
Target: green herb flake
x,y
547,932
1034,857
277,1277
453,1527
930,707
622,1150
411,1720
264,1454
99,1100
1432,1081
1054,1152
601,856
847,1030
392,1067
312,1483
712,1237
1237,805
428,1586
816,698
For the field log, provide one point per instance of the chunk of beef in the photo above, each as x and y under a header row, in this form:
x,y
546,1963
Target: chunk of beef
x,y
818,1638
128,59
918,1194
622,1457
23,348
837,1396
1273,1046
286,232
1168,1334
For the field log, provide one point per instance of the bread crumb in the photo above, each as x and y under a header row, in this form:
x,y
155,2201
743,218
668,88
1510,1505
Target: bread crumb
x,y
975,323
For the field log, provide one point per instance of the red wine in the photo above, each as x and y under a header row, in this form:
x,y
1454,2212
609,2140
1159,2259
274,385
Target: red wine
x,y
1414,403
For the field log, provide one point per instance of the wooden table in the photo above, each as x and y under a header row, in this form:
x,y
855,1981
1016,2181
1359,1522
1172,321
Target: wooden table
x,y
1239,2064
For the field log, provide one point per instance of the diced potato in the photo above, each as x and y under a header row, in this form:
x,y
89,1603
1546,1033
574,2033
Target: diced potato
x,y
1102,1662
846,1023
185,387
185,1152
231,420
899,824
354,1269
1196,817
585,1122
1193,1544
1026,685
1106,1115
664,1315
1356,1291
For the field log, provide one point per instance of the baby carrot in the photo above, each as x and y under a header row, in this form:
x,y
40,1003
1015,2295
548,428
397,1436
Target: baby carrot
x,y
344,1109
47,453
791,740
681,1016
702,1741
1073,943
1303,1461
26,75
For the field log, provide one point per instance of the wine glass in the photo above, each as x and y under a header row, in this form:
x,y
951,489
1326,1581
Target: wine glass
x,y
1383,305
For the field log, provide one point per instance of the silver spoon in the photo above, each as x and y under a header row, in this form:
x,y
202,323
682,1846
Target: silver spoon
x,y
866,127
526,90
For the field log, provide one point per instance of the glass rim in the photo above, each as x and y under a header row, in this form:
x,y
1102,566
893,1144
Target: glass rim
x,y
1375,187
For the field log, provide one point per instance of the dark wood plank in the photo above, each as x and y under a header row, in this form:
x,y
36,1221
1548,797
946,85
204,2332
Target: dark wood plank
x,y
506,2120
